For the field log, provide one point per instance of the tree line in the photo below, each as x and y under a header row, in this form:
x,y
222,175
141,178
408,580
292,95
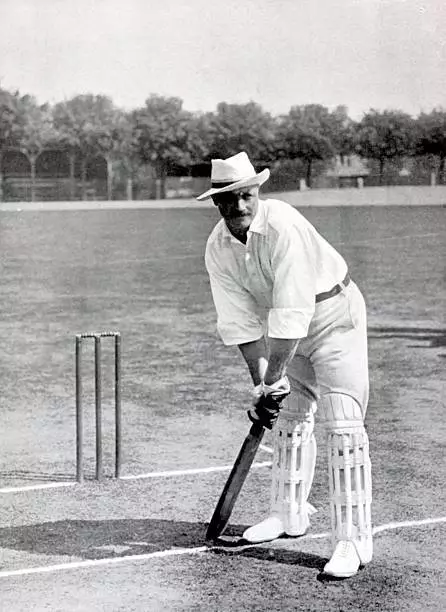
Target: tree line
x,y
173,140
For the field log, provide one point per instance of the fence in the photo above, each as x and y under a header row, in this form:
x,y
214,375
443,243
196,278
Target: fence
x,y
56,189
286,176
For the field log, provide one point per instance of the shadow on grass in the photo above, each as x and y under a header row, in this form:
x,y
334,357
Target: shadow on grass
x,y
435,337
102,539
232,543
92,540
277,555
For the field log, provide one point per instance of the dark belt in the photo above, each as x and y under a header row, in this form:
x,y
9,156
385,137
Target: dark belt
x,y
320,297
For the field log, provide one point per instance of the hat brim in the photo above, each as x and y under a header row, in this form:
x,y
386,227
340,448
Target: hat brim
x,y
257,179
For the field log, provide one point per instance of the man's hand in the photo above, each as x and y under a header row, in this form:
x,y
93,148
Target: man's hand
x,y
268,401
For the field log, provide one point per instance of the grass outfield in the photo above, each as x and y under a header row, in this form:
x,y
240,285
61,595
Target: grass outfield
x,y
141,271
369,196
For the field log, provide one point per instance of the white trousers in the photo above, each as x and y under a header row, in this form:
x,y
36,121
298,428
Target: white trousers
x,y
333,357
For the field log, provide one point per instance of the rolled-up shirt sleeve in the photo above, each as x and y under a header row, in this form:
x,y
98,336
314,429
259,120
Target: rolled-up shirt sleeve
x,y
237,319
294,285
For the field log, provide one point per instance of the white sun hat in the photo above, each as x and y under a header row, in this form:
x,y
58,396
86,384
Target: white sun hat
x,y
233,173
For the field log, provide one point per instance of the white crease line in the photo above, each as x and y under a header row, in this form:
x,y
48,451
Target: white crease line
x,y
266,449
389,526
222,468
166,474
47,485
97,562
175,552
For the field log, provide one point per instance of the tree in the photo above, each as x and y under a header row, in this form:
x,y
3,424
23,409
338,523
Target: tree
x,y
7,121
341,130
304,134
33,132
112,136
7,117
385,136
163,136
200,136
122,148
241,127
93,126
432,138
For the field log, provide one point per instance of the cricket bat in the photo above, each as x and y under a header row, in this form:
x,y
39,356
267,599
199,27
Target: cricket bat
x,y
235,482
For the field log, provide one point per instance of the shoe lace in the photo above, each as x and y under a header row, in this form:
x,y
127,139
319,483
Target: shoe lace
x,y
345,549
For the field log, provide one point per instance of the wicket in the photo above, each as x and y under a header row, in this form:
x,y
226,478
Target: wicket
x,y
97,336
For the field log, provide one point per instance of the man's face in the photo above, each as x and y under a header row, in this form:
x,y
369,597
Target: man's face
x,y
238,208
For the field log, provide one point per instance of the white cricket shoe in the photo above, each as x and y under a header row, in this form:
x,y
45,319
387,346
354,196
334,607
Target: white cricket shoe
x,y
345,561
273,527
365,549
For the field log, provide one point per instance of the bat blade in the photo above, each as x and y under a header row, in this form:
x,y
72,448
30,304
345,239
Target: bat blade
x,y
235,482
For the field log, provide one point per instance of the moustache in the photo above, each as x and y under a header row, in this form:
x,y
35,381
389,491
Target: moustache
x,y
239,215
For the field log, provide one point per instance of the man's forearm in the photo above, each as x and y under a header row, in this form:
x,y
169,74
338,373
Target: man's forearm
x,y
281,353
268,363
256,356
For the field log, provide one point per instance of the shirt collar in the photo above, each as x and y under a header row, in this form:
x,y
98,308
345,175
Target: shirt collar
x,y
258,225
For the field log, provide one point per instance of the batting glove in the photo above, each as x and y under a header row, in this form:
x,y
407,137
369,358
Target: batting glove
x,y
268,401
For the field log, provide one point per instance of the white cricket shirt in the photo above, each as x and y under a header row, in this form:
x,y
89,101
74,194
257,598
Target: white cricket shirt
x,y
268,286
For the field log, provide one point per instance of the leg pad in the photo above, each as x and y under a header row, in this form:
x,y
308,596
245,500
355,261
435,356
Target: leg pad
x,y
294,462
349,471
